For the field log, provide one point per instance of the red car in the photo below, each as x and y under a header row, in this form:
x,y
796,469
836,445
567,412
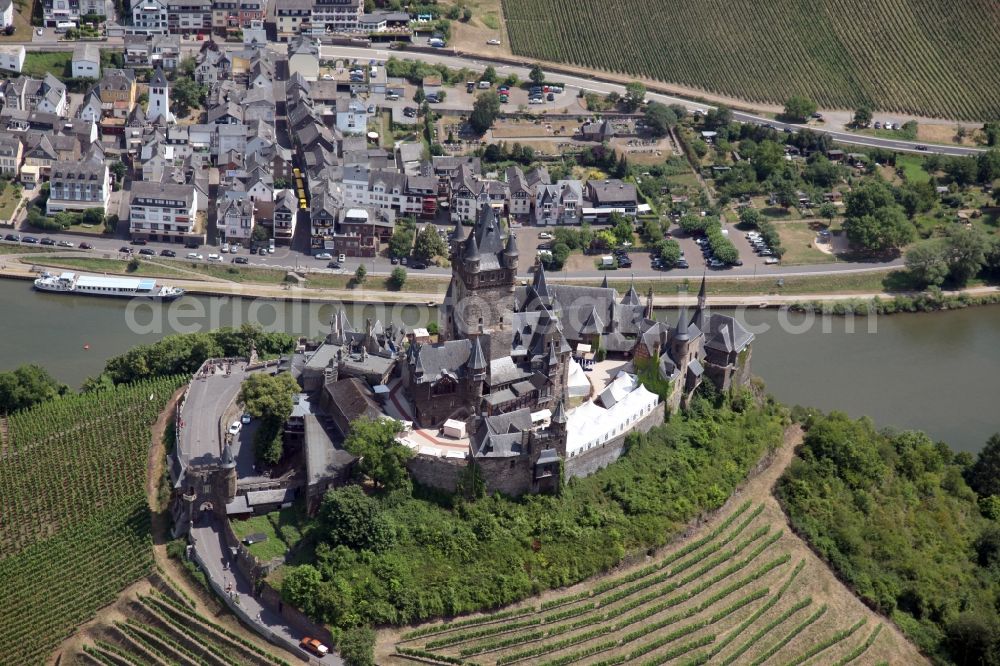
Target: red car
x,y
314,646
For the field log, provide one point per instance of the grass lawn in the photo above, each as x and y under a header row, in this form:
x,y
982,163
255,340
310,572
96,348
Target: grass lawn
x,y
14,248
281,528
109,266
912,167
8,201
22,23
799,241
868,282
40,63
96,230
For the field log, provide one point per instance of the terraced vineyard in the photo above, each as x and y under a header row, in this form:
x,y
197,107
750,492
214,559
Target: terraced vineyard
x,y
733,596
74,528
155,628
915,56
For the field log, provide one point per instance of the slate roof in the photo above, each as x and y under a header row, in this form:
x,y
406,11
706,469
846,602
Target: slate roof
x,y
443,358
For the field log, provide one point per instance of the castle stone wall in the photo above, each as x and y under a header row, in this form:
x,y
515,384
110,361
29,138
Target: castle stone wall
x,y
508,476
435,472
600,457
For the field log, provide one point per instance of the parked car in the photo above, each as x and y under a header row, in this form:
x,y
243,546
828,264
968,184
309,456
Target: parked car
x,y
545,235
195,255
167,253
29,239
624,262
418,265
65,243
240,260
494,42
235,427
771,260
14,238
341,258
334,265
124,249
47,241
225,248
394,261
245,418
551,97
147,252
86,246
137,241
326,256
314,646
214,257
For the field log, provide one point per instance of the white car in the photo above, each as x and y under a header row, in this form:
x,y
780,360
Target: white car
x,y
39,32
494,42
235,427
65,243
545,235
342,258
324,255
771,260
194,255
225,248
214,257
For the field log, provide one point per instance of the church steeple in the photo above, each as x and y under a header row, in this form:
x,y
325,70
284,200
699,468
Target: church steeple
x,y
699,313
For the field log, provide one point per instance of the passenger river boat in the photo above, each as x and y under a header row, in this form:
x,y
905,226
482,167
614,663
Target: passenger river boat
x,y
96,285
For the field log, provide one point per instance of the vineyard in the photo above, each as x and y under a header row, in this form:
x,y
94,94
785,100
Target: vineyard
x,y
911,56
74,530
159,628
733,596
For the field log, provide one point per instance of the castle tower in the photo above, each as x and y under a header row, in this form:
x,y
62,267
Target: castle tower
x,y
483,273
477,373
159,98
699,314
229,470
649,303
680,342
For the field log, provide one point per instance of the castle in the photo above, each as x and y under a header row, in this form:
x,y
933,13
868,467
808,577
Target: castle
x,y
504,376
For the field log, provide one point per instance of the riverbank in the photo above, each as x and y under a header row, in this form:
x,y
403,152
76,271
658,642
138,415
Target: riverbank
x,y
856,292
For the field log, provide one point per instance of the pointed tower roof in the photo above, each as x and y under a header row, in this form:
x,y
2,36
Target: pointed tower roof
x,y
701,290
681,333
511,249
418,366
560,414
593,324
541,288
471,247
604,282
477,360
159,80
553,357
699,314
631,297
228,459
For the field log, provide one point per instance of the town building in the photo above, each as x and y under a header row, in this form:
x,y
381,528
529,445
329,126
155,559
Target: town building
x,y
10,156
235,218
159,98
167,212
78,186
86,61
149,17
12,58
303,58
337,15
292,17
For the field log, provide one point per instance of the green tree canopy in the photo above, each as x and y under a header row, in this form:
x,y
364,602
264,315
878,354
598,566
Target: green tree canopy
x,y
429,244
536,74
965,252
984,475
751,217
267,396
26,386
485,110
669,251
659,118
348,517
863,116
884,230
380,456
798,109
398,278
635,94
926,263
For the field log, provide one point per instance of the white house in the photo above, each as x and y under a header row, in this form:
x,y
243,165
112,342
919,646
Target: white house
x,y
86,62
78,186
7,14
164,212
149,17
12,58
235,218
352,116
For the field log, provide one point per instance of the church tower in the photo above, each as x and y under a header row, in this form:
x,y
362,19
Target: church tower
x,y
159,98
699,314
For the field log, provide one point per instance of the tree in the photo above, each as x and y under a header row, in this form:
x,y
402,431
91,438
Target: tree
x,y
635,94
381,457
419,96
186,94
751,217
718,117
798,109
659,118
269,399
965,253
828,211
398,278
429,244
466,14
485,110
621,228
27,386
973,638
962,170
992,132
926,263
360,274
401,242
259,233
884,230
988,166
536,74
866,198
863,116
768,159
984,475
300,587
117,168
670,252
490,74
821,172
357,644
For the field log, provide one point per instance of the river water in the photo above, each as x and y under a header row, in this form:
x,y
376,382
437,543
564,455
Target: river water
x,y
937,372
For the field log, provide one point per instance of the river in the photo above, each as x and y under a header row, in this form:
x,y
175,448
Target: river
x,y
937,372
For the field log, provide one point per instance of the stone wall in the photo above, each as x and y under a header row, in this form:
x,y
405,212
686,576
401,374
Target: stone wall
x,y
435,472
508,476
600,457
